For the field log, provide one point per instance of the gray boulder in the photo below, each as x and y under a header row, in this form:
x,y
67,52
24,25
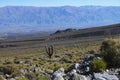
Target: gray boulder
x,y
58,75
76,76
77,65
99,76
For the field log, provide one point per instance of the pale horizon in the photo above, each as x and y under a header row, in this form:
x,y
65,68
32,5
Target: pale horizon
x,y
58,3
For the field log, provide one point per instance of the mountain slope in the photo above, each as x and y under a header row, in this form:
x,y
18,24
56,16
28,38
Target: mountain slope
x,y
21,19
101,32
104,31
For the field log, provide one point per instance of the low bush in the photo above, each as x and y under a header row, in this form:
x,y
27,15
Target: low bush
x,y
97,65
43,78
51,67
8,69
41,62
21,78
92,52
66,60
31,76
110,51
56,66
66,66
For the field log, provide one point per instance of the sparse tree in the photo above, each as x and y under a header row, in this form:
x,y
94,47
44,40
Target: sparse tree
x,y
50,50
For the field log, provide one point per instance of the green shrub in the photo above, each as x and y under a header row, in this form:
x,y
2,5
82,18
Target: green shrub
x,y
35,59
21,78
31,76
56,66
48,71
43,78
7,62
8,69
97,65
66,60
66,66
110,51
16,73
41,62
51,67
92,52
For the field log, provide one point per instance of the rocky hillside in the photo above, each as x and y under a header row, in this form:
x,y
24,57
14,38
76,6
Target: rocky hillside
x,y
106,31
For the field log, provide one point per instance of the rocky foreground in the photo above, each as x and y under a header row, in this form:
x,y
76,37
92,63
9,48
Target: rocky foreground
x,y
81,71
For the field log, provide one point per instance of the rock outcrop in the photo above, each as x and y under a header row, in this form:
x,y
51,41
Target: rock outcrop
x,y
58,75
99,76
81,71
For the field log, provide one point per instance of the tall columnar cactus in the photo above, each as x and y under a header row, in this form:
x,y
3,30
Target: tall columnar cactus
x,y
50,50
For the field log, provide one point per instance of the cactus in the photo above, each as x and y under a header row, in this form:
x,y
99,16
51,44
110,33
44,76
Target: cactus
x,y
50,50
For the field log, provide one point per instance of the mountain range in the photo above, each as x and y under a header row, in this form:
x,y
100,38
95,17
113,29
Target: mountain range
x,y
19,19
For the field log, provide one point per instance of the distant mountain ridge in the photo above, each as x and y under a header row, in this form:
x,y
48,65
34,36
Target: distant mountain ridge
x,y
26,18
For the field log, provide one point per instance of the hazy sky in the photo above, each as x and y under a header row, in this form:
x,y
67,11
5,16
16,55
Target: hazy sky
x,y
59,2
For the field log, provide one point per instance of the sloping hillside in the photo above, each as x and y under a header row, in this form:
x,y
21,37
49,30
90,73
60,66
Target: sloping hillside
x,y
66,37
105,31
